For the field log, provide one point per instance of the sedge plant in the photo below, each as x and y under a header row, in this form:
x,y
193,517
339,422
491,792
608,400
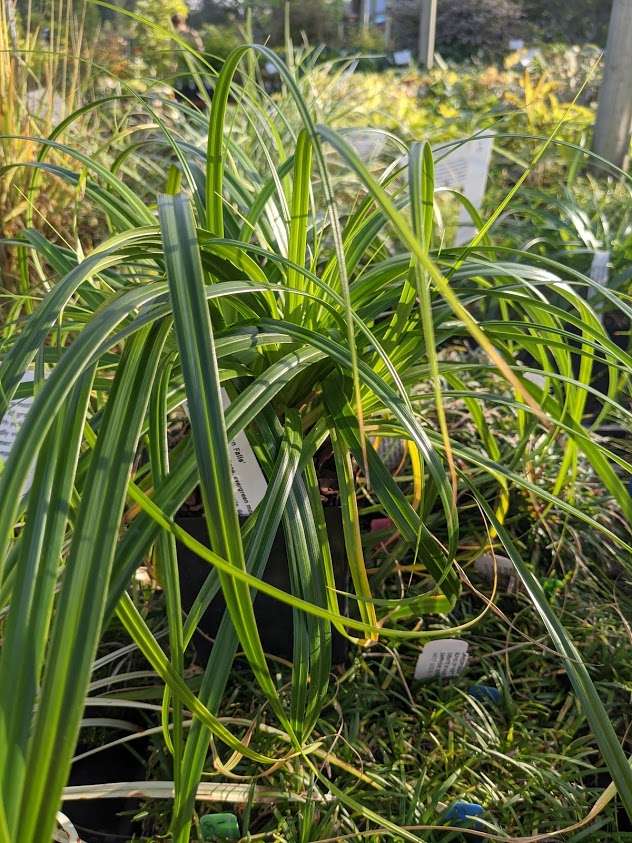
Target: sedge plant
x,y
321,317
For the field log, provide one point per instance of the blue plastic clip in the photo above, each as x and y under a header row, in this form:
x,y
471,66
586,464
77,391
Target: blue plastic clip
x,y
485,693
463,812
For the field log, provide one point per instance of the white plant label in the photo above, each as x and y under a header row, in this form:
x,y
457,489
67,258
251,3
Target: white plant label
x,y
249,482
367,143
443,659
465,168
402,58
505,570
10,426
536,378
599,267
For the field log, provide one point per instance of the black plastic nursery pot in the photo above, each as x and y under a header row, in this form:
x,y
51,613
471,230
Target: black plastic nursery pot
x,y
107,820
274,618
617,326
110,820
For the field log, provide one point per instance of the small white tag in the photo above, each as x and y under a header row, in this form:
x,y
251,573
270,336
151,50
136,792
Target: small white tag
x,y
505,570
599,267
444,658
249,482
465,168
367,143
536,378
402,58
10,426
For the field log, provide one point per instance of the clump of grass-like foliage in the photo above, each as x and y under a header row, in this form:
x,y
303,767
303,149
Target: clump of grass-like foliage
x,y
315,292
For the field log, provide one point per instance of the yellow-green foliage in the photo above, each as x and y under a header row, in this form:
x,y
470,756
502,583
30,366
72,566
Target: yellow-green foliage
x,y
449,103
157,51
161,11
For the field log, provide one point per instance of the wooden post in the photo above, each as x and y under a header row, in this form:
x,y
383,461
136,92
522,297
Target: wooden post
x,y
611,138
365,15
427,25
387,25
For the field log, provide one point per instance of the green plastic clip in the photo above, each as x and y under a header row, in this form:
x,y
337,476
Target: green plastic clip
x,y
220,827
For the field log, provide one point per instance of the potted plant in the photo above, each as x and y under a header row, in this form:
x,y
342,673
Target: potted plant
x,y
318,330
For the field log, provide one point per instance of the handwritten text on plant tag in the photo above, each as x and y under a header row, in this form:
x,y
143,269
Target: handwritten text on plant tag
x,y
442,659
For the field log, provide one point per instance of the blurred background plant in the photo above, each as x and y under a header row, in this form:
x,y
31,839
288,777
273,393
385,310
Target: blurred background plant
x,y
473,29
481,29
156,50
42,74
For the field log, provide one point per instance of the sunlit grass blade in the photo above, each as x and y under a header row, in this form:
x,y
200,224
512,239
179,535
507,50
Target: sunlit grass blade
x,y
81,603
299,213
167,564
217,671
199,363
421,187
27,629
353,541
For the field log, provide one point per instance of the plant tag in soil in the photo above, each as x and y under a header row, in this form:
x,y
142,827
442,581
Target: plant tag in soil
x,y
505,570
599,267
10,426
465,167
536,378
442,659
248,481
402,58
